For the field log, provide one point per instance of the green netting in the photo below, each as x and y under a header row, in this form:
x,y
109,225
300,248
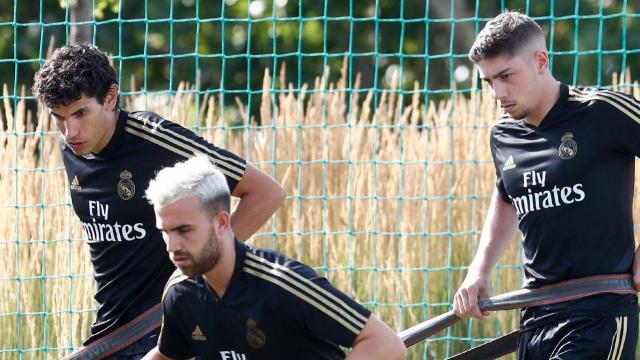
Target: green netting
x,y
367,112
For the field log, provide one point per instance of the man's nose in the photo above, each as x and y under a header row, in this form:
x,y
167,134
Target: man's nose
x,y
173,243
71,128
499,90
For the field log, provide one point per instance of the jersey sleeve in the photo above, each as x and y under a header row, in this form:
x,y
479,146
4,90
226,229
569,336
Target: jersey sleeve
x,y
183,143
624,126
172,342
322,310
502,191
231,165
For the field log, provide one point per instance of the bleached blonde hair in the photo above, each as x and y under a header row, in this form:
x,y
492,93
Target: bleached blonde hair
x,y
196,176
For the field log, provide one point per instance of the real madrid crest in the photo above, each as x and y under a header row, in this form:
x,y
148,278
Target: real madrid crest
x,y
126,188
255,336
568,147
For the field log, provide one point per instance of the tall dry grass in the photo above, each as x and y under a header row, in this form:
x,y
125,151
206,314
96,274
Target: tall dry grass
x,y
388,202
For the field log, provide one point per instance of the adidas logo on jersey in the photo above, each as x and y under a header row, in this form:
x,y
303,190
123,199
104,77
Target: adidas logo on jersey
x,y
509,164
198,335
75,184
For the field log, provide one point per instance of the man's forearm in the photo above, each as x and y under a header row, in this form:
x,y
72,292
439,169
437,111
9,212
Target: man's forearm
x,y
372,350
260,197
497,233
377,341
253,211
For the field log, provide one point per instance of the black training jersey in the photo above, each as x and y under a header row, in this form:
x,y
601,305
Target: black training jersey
x,y
571,182
131,265
273,308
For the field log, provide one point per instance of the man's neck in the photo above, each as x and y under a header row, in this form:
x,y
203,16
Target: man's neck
x,y
549,98
112,119
220,276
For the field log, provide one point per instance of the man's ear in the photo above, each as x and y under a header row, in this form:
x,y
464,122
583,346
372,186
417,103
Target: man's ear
x,y
111,99
222,222
541,59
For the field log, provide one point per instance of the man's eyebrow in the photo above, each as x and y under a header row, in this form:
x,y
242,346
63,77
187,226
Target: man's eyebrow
x,y
174,228
496,75
75,112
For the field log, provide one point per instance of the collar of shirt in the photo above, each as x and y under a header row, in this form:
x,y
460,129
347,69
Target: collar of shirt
x,y
236,284
554,114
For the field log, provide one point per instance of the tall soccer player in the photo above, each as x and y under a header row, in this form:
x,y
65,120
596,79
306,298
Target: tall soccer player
x,y
564,159
232,301
110,155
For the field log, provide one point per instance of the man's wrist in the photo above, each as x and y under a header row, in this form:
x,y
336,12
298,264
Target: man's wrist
x,y
478,273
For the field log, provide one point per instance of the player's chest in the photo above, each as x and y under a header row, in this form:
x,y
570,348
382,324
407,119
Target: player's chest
x,y
235,332
106,192
555,161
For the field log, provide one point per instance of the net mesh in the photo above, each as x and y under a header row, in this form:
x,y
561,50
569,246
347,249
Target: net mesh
x,y
367,112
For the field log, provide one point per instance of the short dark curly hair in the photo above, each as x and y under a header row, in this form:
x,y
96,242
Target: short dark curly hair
x,y
74,70
506,34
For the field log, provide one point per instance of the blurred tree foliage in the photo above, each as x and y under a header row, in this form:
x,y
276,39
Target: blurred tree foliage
x,y
225,45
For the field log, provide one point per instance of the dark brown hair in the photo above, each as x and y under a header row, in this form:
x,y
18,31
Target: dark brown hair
x,y
72,71
506,34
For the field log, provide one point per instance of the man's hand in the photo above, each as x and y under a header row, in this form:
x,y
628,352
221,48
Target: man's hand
x,y
465,301
498,231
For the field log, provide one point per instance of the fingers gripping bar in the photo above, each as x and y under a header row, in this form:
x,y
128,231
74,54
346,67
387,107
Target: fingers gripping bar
x,y
551,294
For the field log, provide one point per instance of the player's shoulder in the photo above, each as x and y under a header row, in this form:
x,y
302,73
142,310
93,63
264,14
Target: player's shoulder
x,y
149,121
505,123
589,93
151,129
146,117
603,99
147,125
177,286
273,267
274,260
293,283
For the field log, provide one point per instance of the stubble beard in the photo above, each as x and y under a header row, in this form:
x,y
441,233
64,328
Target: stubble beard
x,y
521,115
206,260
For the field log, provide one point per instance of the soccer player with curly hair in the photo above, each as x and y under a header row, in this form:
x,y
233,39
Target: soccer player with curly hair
x,y
110,154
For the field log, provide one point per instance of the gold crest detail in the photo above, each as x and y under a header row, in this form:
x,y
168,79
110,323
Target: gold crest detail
x,y
126,188
255,336
568,147
126,174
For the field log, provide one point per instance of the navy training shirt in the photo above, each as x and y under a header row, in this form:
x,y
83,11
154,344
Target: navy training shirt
x,y
273,308
571,182
130,261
